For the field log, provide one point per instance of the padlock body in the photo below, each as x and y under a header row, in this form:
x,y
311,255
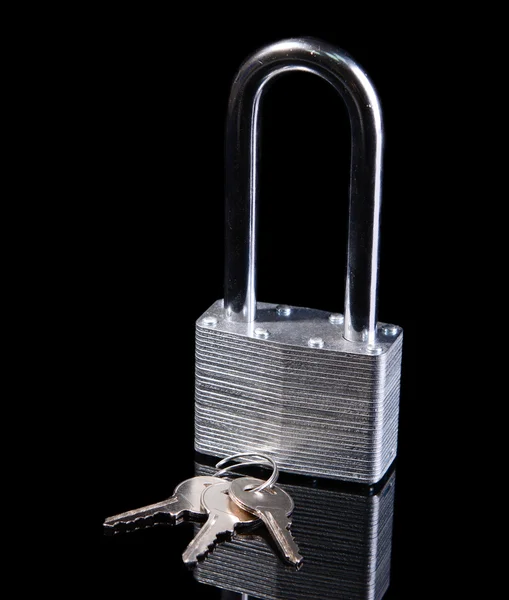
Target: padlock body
x,y
329,411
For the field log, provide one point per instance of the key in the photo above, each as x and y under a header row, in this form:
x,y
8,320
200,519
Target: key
x,y
224,516
274,507
185,502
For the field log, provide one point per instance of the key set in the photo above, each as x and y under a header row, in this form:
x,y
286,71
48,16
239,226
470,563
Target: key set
x,y
344,533
226,507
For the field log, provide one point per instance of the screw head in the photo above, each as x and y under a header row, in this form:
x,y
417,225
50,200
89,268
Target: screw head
x,y
283,310
337,318
375,350
315,342
209,321
260,332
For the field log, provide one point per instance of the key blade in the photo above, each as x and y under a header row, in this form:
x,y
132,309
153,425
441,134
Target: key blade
x,y
206,539
224,516
274,507
185,502
141,517
278,525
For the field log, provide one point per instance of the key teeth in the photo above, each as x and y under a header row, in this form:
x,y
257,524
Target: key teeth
x,y
136,524
192,561
109,529
297,562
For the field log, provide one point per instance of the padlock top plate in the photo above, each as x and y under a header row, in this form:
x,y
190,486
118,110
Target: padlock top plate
x,y
297,329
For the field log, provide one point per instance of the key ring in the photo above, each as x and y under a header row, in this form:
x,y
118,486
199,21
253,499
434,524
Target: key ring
x,y
270,481
267,484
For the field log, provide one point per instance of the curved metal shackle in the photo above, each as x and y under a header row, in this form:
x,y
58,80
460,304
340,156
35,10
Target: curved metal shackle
x,y
242,159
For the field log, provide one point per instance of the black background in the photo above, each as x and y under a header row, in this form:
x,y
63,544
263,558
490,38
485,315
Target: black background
x,y
154,110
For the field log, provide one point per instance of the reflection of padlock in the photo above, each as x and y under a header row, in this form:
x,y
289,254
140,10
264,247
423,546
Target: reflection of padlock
x,y
317,391
344,533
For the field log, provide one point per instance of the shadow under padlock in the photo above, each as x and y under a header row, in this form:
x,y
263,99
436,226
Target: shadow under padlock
x,y
344,533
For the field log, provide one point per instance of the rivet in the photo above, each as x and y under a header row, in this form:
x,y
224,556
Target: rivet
x,y
337,318
315,342
391,330
261,332
283,310
209,321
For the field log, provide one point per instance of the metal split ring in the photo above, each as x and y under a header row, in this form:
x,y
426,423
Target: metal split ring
x,y
267,484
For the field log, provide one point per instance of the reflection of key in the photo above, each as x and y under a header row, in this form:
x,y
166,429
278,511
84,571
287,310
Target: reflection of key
x,y
185,502
224,517
274,507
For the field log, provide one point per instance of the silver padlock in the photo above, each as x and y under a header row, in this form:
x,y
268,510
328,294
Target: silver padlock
x,y
318,391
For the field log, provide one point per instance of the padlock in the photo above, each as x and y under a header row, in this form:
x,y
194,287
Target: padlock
x,y
318,391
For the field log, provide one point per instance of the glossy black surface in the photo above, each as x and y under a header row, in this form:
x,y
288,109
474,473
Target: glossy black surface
x,y
155,192
343,531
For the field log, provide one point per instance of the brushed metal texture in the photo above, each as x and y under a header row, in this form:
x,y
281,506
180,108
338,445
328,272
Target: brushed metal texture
x,y
329,411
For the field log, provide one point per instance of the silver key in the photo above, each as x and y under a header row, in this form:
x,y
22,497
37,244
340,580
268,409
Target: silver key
x,y
224,517
274,507
185,502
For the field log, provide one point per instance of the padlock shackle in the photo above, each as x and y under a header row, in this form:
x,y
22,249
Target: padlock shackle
x,y
242,159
